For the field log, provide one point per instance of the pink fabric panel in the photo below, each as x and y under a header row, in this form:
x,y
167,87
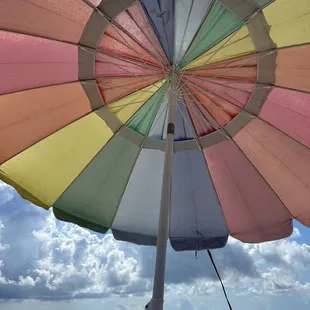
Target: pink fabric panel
x,y
283,162
115,41
59,19
110,66
137,24
220,110
201,119
236,93
289,111
28,62
253,212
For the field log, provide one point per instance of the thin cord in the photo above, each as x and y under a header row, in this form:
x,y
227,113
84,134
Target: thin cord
x,y
209,253
218,275
101,84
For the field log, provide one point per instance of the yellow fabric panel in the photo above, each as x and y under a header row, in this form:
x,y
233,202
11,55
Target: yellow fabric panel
x,y
42,172
289,20
237,44
125,107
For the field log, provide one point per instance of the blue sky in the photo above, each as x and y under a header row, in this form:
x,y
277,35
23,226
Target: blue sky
x,y
46,264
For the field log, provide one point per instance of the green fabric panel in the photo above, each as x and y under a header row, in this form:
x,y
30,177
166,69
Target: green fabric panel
x,y
93,198
219,23
66,217
142,120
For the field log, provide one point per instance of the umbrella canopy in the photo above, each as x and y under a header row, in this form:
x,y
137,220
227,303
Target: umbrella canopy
x,y
93,91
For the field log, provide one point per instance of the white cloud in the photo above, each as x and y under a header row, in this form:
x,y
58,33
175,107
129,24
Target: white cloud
x,y
3,247
27,281
6,193
43,258
3,185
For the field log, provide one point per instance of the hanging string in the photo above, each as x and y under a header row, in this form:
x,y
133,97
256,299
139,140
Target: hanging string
x,y
218,275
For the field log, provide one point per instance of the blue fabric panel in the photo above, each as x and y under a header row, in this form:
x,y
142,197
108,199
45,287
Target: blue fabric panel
x,y
183,124
196,219
193,244
161,15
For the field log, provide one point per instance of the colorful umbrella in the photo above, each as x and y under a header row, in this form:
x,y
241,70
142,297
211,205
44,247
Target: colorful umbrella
x,y
185,119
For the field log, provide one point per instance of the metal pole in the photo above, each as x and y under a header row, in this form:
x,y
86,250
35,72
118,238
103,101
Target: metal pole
x,y
157,301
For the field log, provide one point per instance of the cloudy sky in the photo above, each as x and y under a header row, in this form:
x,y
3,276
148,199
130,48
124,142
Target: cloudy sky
x,y
46,264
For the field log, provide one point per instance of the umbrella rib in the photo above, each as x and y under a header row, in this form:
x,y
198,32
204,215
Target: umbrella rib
x,y
246,21
115,25
213,93
190,96
113,22
79,118
153,46
121,86
229,91
250,162
157,118
185,29
130,35
130,47
217,78
127,59
205,120
143,117
201,150
200,114
51,11
127,104
214,105
253,116
200,26
258,55
133,166
187,124
125,69
213,54
43,37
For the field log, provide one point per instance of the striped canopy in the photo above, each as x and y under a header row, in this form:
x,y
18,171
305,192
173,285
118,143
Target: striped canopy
x,y
83,111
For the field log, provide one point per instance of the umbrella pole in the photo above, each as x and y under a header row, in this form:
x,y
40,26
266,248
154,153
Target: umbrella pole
x,y
157,301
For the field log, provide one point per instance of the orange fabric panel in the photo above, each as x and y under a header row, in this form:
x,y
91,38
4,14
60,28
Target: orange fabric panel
x,y
293,67
113,88
27,117
283,162
59,19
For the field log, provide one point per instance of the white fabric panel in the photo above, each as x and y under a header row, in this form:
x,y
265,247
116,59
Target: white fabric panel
x,y
189,16
159,126
138,212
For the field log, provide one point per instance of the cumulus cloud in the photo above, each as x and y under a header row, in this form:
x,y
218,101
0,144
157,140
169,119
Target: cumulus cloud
x,y
42,258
